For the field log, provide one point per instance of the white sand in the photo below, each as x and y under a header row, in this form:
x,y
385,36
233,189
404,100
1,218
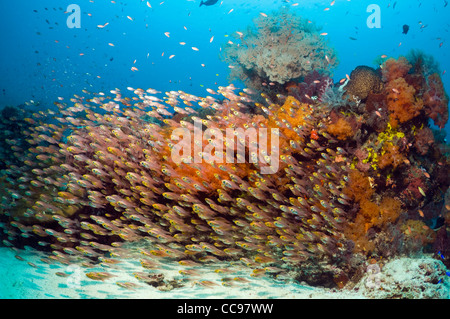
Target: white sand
x,y
20,280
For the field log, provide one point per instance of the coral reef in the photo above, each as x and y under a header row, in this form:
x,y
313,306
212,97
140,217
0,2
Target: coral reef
x,y
311,87
279,48
363,81
341,129
406,278
126,187
402,103
436,100
350,180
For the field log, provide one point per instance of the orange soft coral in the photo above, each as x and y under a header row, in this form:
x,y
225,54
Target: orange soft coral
x,y
358,186
393,69
390,156
341,129
372,215
294,114
402,103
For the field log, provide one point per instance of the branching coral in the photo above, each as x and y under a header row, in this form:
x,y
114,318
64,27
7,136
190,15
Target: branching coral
x,y
333,96
280,47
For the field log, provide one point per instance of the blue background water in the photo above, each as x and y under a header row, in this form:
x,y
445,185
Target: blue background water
x,y
35,67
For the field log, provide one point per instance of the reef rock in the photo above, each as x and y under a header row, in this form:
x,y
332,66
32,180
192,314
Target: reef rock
x,y
406,278
363,80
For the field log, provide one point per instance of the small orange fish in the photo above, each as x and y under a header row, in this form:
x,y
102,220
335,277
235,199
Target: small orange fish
x,y
324,33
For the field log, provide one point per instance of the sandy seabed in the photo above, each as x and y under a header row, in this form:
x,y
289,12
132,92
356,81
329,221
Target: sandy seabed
x,y
401,278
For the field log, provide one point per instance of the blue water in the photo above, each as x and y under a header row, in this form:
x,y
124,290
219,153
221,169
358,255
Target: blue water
x,y
41,58
35,67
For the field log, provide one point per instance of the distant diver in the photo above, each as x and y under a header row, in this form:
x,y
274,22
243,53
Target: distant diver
x,y
405,29
208,2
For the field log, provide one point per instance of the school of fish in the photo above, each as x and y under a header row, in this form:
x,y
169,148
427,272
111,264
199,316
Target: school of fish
x,y
98,174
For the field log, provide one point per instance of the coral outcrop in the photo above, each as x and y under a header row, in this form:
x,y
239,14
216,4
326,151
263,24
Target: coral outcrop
x,y
406,278
279,48
363,80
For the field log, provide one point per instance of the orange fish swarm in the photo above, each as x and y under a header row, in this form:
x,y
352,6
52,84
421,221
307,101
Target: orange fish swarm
x,y
118,164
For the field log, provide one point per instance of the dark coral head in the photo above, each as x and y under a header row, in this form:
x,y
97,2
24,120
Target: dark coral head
x,y
363,80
